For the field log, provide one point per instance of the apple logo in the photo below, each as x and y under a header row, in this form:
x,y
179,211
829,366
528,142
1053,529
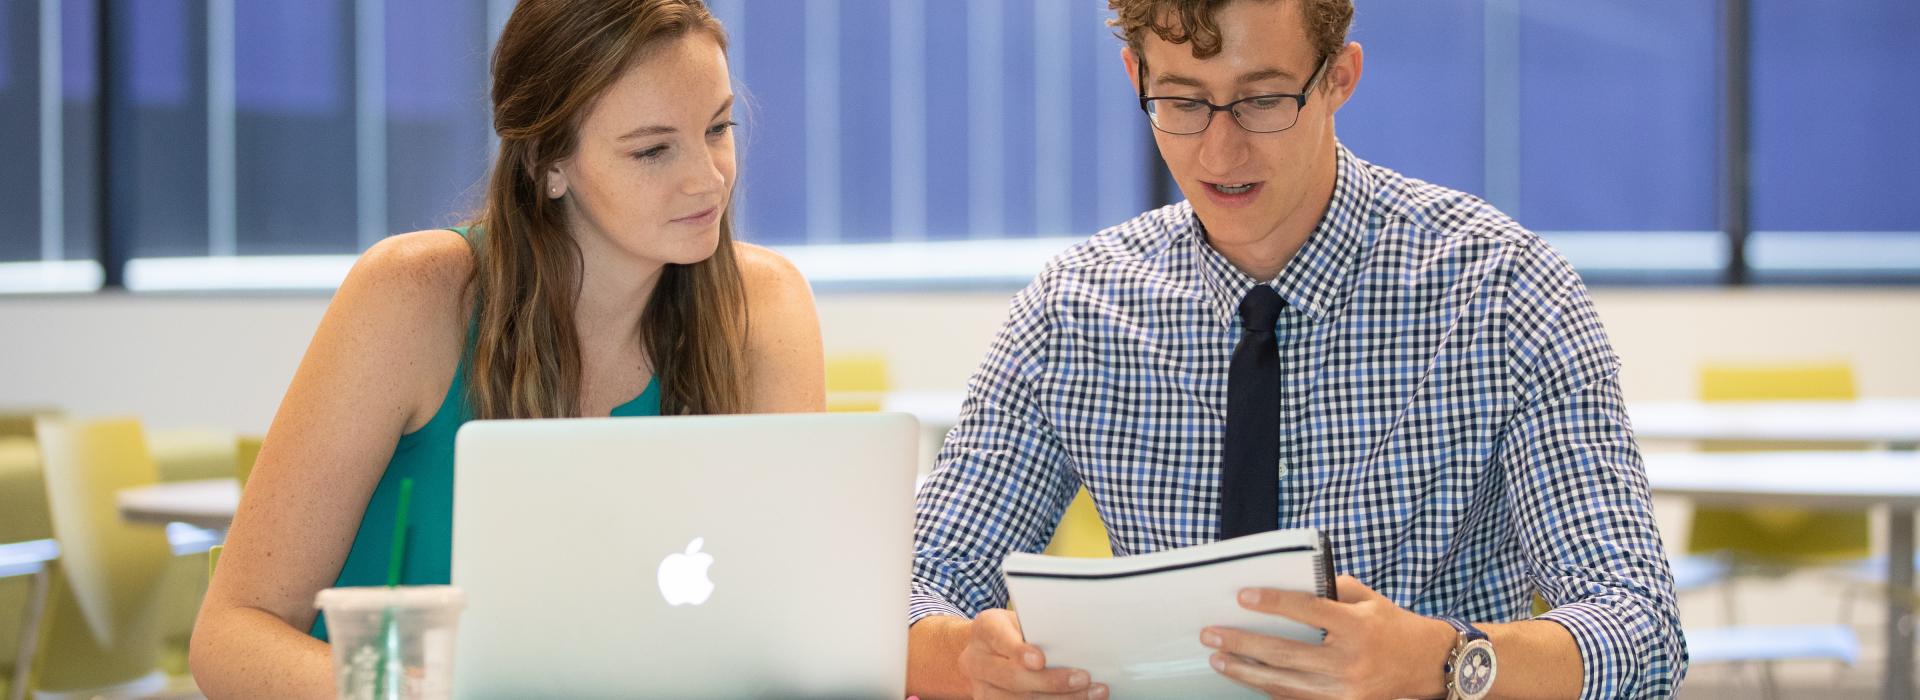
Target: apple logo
x,y
683,577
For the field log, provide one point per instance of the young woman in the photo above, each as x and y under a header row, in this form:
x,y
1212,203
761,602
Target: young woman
x,y
601,278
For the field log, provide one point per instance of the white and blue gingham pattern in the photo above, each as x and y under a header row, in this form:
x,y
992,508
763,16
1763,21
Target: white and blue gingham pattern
x,y
1450,416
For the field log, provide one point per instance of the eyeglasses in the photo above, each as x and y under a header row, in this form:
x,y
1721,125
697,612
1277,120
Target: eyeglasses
x,y
1260,114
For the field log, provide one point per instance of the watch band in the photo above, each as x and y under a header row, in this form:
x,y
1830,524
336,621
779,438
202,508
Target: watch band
x,y
1471,632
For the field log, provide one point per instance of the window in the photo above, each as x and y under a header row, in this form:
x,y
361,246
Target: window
x,y
1835,192
264,143
49,127
930,124
1593,124
265,129
277,130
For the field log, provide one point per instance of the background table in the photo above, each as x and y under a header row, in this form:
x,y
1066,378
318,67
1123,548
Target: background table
x,y
1892,421
28,559
207,503
1836,480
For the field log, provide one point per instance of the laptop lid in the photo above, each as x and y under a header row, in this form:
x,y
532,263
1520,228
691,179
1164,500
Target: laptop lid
x,y
709,556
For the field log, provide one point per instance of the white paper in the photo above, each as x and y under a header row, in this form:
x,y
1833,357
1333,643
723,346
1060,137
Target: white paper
x,y
1134,623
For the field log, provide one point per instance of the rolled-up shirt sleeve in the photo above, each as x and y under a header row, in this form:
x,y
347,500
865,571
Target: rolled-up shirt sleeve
x,y
1581,501
1002,480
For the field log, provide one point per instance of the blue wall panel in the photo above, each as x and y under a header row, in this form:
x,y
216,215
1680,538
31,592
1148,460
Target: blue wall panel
x,y
866,155
1836,94
772,145
1419,105
1619,116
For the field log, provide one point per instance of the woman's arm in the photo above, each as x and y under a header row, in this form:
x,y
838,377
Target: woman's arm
x,y
785,372
377,366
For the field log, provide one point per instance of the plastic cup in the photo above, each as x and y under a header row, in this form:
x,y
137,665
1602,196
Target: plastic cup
x,y
415,662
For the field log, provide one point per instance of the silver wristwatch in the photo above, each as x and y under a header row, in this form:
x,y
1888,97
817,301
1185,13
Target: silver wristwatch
x,y
1471,665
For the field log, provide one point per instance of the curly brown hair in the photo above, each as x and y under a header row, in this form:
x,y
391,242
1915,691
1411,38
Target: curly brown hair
x,y
1184,21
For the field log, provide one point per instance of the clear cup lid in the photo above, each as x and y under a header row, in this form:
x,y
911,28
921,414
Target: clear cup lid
x,y
379,597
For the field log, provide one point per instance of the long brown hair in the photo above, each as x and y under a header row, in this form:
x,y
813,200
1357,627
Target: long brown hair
x,y
554,58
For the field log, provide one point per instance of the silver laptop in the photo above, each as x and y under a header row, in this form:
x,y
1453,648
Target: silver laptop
x,y
685,557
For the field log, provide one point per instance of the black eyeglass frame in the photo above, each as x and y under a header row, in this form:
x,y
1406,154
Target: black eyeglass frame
x,y
1300,100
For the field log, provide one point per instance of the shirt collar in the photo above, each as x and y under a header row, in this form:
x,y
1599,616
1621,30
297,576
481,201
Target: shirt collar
x,y
1315,280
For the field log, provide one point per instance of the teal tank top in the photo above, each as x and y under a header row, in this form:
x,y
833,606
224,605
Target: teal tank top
x,y
426,456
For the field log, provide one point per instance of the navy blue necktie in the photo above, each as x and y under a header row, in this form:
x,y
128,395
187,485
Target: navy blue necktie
x,y
1250,467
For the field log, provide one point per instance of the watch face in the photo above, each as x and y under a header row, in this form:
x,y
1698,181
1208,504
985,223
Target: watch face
x,y
1474,676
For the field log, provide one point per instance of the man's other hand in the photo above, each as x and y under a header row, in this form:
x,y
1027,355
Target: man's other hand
x,y
1374,648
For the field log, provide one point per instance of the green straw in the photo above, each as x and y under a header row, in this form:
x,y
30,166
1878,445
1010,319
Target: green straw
x,y
397,556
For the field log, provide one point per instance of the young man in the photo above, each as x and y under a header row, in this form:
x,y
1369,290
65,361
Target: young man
x,y
1309,340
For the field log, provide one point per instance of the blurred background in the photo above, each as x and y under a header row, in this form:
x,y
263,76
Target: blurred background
x,y
185,181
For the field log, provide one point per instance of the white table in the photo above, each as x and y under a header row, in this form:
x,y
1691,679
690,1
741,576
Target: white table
x,y
28,559
208,503
1822,480
1892,421
1835,480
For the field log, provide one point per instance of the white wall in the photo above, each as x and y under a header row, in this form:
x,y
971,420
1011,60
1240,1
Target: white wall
x,y
223,361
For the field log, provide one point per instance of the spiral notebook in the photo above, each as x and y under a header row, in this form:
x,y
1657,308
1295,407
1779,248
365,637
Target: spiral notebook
x,y
1134,622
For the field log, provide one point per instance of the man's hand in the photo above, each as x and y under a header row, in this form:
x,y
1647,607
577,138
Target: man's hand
x,y
1374,648
1001,664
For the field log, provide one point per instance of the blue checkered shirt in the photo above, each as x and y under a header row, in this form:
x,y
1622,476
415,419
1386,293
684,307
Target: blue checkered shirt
x,y
1450,417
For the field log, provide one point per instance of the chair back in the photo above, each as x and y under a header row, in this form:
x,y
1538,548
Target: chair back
x,y
1779,536
246,451
193,454
102,624
1081,532
857,382
18,422
23,492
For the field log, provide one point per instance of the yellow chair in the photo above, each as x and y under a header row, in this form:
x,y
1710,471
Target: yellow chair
x,y
246,451
102,628
23,493
193,454
18,422
1745,541
1081,532
857,382
1779,538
